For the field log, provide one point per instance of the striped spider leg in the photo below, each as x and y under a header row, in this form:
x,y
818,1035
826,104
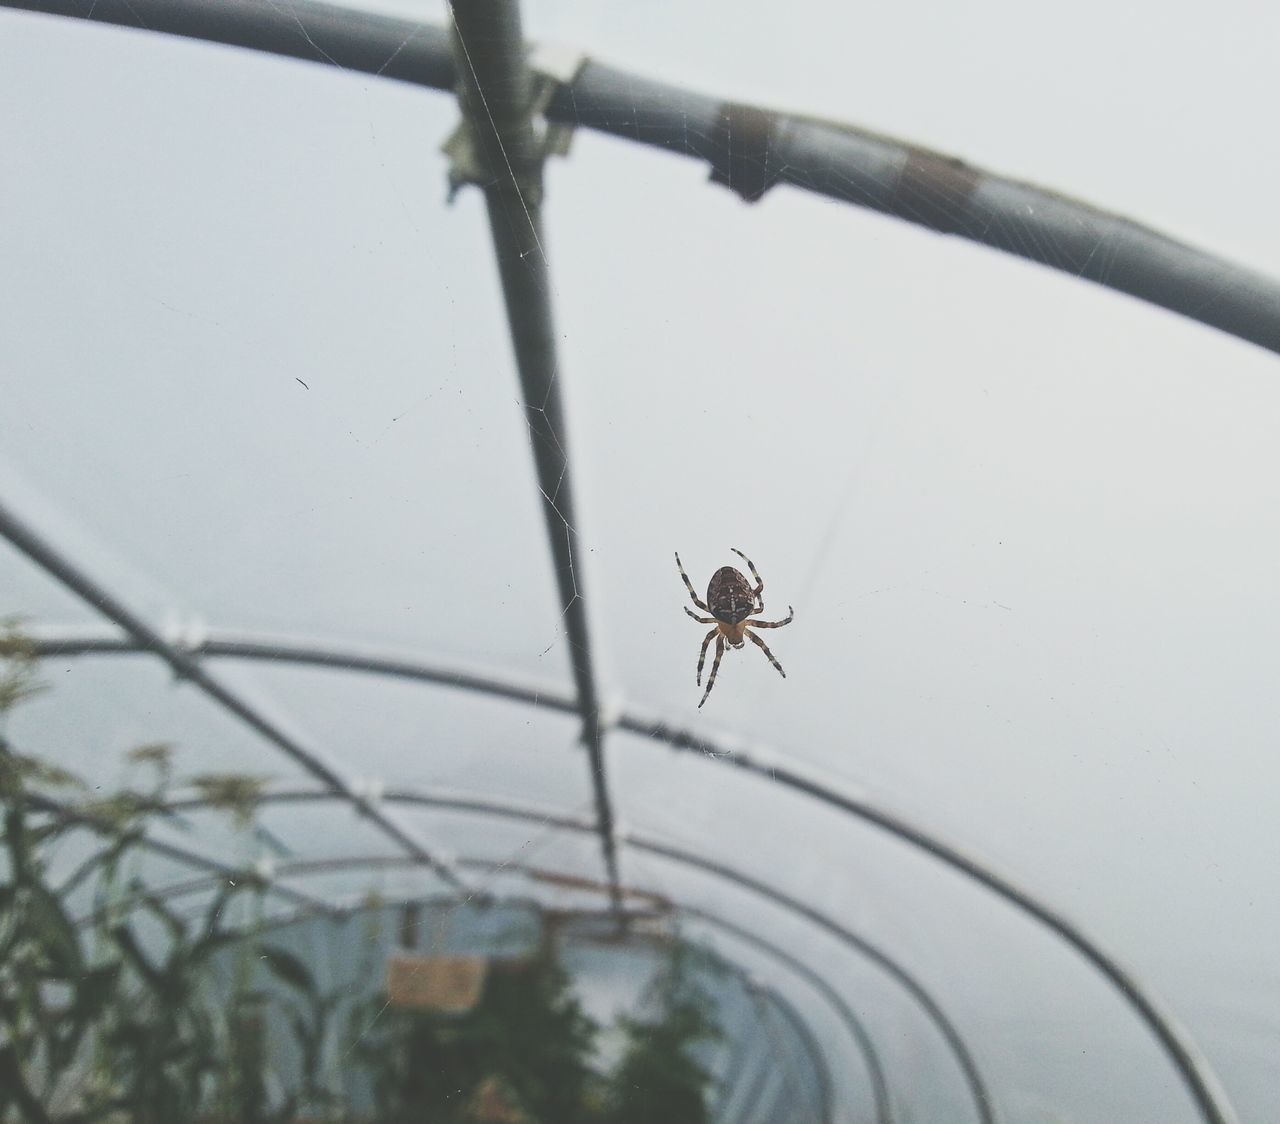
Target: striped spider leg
x,y
731,602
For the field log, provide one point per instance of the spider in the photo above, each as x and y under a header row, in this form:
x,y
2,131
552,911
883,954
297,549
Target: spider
x,y
731,601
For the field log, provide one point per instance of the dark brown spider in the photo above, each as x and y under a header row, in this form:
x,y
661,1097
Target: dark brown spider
x,y
731,600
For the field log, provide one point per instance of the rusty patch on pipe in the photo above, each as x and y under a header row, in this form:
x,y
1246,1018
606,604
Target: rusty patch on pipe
x,y
934,190
741,144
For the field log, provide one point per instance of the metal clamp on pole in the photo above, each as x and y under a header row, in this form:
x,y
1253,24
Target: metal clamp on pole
x,y
484,162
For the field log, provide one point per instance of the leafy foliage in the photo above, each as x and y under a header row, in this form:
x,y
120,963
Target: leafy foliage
x,y
659,1077
115,1016
97,1021
18,674
528,1033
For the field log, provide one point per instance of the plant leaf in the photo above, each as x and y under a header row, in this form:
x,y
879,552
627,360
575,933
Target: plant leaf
x,y
14,1088
289,968
58,938
128,943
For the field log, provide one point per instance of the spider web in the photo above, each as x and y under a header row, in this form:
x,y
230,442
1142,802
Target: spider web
x,y
816,531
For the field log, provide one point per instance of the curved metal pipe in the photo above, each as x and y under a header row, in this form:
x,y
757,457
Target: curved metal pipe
x,y
68,813
308,867
377,45
1192,1067
756,991
984,1103
729,1083
857,1029
185,666
751,1096
751,148
314,905
496,95
849,164
47,642
802,1031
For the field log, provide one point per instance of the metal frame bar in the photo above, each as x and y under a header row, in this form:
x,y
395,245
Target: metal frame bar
x,y
751,1095
75,642
751,148
1193,1068
843,162
1191,1065
984,1103
751,984
753,987
856,1028
70,814
378,45
306,867
732,1077
496,94
186,666
821,1070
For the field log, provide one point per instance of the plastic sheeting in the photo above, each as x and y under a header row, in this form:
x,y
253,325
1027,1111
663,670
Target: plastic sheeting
x,y
257,381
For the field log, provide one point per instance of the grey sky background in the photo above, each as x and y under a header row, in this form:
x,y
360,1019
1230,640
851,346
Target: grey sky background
x,y
1028,526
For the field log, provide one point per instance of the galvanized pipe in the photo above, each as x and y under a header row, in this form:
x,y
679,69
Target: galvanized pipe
x,y
983,1101
50,642
1194,1069
1192,1066
68,813
751,149
821,1066
188,667
801,1030
496,92
366,43
857,1029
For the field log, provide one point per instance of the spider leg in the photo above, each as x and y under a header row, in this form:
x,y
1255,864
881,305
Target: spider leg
x,y
702,656
715,666
765,649
791,613
700,620
759,589
689,586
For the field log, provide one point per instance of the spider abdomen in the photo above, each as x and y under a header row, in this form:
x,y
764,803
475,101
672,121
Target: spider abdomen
x,y
730,596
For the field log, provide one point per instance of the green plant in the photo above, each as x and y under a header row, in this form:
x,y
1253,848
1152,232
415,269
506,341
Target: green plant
x,y
310,1016
528,1033
162,1045
107,1028
659,1077
19,678
116,1016
51,993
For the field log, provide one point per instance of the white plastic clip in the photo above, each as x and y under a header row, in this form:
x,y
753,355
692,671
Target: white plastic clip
x,y
369,789
553,65
190,634
611,712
